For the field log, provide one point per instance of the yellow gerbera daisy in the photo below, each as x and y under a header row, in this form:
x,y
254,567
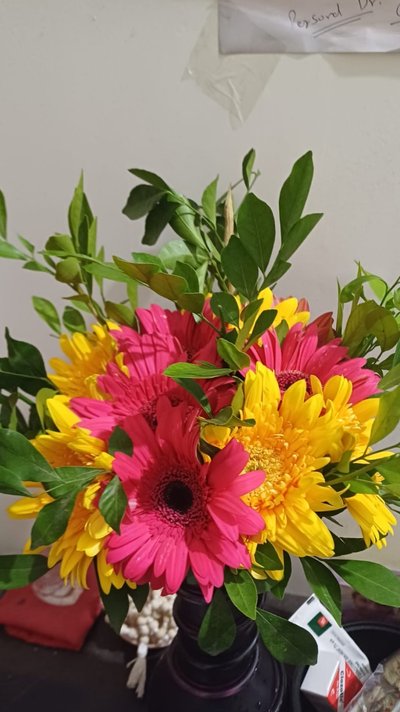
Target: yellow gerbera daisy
x,y
372,515
88,354
70,445
287,309
282,443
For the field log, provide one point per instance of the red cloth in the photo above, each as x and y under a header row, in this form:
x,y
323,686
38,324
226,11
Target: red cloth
x,y
26,616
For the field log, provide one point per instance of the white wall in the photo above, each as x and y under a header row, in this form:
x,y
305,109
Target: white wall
x,y
99,85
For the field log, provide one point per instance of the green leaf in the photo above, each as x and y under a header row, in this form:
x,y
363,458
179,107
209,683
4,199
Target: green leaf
x,y
196,371
279,268
157,220
247,167
149,177
116,605
184,223
24,358
363,487
113,503
256,229
60,245
52,520
208,201
28,245
68,271
107,271
139,595
373,581
10,483
169,286
267,557
196,391
48,313
141,200
11,380
140,271
348,545
120,442
35,267
120,313
10,252
391,379
232,356
73,320
226,417
264,321
288,642
325,586
41,399
295,192
396,359
182,269
354,287
192,302
369,318
218,629
79,212
20,570
297,234
242,591
3,216
173,251
225,307
132,293
70,480
239,267
388,415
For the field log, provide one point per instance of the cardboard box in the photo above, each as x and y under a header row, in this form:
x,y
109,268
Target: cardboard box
x,y
342,667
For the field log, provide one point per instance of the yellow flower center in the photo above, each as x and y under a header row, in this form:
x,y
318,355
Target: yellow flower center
x,y
271,458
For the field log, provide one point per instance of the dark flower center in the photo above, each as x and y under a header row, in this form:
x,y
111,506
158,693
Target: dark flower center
x,y
287,378
178,496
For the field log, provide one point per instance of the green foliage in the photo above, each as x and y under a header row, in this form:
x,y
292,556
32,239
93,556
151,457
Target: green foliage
x,y
373,581
116,604
240,268
388,415
193,370
232,356
73,320
288,642
242,591
247,167
113,503
218,629
294,193
120,441
139,595
256,229
48,313
267,557
325,586
20,570
3,216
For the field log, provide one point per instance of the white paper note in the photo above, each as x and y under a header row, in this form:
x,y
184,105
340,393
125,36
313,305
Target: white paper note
x,y
262,26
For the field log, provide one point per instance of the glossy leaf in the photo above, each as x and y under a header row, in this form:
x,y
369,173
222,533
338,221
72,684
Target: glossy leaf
x,y
24,357
150,177
48,313
73,320
182,269
71,480
10,483
348,545
232,356
19,455
10,252
79,212
247,167
169,286
256,229
240,268
20,570
218,628
140,271
184,223
279,588
297,234
120,442
157,220
242,591
279,268
295,192
391,379
264,321
139,595
107,271
51,522
141,200
209,199
196,391
192,302
288,642
267,557
325,586
60,245
176,250
225,307
116,604
28,245
113,503
388,415
369,318
194,370
41,399
120,313
373,581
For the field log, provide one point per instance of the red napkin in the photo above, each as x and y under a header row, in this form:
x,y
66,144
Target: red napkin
x,y
26,616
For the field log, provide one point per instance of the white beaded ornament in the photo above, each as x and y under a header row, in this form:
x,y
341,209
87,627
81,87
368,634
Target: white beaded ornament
x,y
153,627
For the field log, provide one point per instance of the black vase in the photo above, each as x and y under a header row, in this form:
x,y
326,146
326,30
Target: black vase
x,y
244,678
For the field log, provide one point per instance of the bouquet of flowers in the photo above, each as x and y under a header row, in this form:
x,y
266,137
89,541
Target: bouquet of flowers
x,y
214,439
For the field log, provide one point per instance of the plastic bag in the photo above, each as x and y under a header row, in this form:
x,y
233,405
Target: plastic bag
x,y
381,692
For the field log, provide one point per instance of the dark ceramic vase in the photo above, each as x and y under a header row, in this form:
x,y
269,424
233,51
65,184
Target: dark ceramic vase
x,y
244,678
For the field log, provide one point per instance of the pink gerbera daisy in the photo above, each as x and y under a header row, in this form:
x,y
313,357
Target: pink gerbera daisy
x,y
181,513
299,357
197,339
145,358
